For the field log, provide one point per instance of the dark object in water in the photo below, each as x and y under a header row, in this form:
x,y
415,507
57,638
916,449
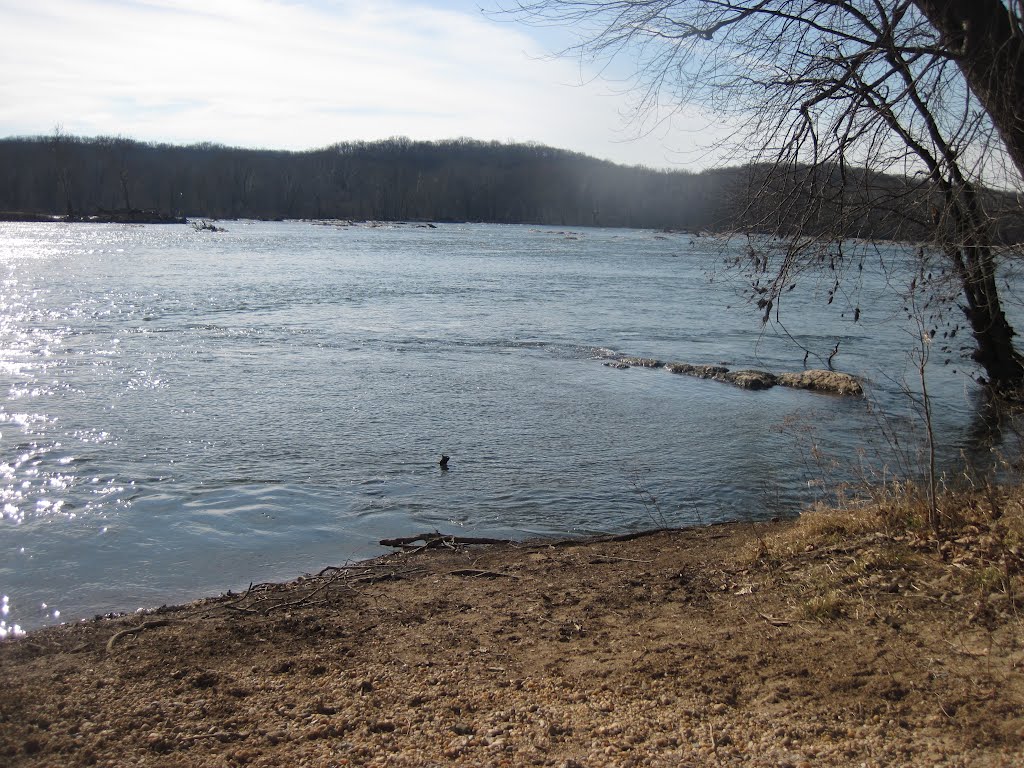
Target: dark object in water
x,y
444,461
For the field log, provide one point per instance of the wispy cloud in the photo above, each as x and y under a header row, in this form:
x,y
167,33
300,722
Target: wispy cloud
x,y
298,74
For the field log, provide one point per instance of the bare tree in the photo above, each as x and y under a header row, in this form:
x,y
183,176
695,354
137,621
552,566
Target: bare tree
x,y
986,40
909,108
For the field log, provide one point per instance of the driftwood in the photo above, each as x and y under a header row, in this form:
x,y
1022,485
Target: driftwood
x,y
432,540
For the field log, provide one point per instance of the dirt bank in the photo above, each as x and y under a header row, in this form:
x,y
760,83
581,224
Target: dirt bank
x,y
782,644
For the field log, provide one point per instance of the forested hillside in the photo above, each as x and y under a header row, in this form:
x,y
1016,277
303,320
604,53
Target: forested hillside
x,y
401,179
460,180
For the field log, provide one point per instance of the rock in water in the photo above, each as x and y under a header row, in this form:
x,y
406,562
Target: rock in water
x,y
823,381
700,371
750,379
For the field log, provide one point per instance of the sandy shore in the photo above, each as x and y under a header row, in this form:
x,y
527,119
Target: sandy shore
x,y
779,644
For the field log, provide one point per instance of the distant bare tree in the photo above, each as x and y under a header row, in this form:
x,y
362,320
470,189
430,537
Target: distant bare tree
x,y
62,167
829,95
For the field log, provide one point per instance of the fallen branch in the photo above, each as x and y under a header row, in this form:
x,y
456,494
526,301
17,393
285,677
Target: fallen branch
x,y
432,540
354,567
240,599
301,600
583,541
375,578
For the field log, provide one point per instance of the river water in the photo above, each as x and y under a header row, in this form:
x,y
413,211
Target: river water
x,y
184,412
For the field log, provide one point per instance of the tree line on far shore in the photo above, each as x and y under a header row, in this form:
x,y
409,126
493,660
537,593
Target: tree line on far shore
x,y
395,179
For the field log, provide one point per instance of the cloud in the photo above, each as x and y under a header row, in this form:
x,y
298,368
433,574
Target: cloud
x,y
289,74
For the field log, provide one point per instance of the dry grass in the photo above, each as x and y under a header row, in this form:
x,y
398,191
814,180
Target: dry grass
x,y
901,509
825,607
849,554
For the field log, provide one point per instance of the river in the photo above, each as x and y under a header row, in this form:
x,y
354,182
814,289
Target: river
x,y
183,412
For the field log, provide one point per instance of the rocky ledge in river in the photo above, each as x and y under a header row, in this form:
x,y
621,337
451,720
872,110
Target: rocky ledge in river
x,y
832,382
822,381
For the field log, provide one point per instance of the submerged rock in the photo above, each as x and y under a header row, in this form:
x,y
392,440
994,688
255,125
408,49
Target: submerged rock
x,y
617,365
750,379
822,381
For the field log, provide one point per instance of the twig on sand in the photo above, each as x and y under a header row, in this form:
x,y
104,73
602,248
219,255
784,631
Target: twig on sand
x,y
135,630
775,622
477,573
607,558
234,607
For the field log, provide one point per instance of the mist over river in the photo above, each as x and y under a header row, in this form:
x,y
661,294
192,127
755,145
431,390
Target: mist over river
x,y
185,412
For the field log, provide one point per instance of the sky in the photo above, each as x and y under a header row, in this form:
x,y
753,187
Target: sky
x,y
304,74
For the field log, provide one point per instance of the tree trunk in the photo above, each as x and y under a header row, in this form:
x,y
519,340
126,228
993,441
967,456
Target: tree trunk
x,y
994,337
989,49
993,334
971,252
